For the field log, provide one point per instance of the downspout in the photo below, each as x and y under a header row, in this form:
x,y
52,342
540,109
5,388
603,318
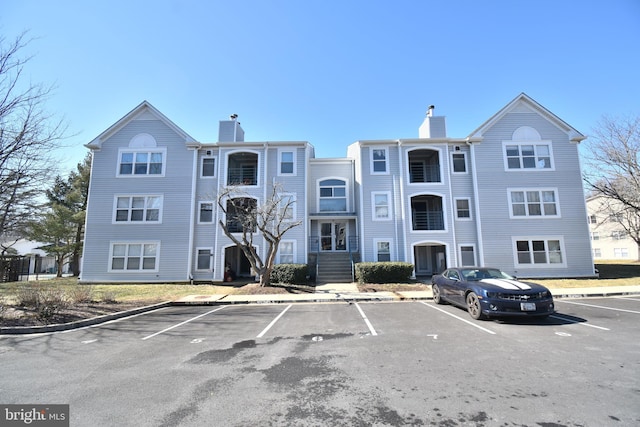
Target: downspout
x,y
194,176
452,208
402,206
472,154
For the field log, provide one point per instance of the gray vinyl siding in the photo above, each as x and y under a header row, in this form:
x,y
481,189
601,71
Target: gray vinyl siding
x,y
175,186
493,181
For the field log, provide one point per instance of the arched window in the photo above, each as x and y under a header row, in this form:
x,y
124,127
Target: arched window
x,y
333,195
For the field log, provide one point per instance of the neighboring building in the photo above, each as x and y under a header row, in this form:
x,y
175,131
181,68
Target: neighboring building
x,y
508,195
609,240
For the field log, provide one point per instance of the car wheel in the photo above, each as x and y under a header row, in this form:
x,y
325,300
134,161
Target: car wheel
x,y
437,297
473,305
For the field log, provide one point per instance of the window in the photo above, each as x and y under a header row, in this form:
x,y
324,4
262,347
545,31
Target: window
x,y
381,208
138,209
595,235
383,250
134,256
597,253
204,259
287,162
463,211
592,219
208,169
538,252
528,156
286,252
241,215
287,207
533,203
333,195
467,256
206,212
618,235
141,163
459,162
379,161
620,252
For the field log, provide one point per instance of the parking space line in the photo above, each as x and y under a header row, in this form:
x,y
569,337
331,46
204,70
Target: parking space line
x,y
273,322
459,318
567,319
369,325
600,306
183,323
627,298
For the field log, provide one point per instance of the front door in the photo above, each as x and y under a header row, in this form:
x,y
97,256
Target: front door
x,y
333,236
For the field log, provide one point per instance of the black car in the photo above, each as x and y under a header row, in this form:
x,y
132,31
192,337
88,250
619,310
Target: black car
x,y
487,292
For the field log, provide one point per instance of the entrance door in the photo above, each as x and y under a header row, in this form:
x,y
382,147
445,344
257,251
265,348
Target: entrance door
x,y
333,236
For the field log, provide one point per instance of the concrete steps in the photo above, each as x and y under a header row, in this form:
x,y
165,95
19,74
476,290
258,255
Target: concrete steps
x,y
334,267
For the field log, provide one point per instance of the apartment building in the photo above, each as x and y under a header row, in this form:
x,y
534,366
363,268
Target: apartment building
x,y
508,195
609,240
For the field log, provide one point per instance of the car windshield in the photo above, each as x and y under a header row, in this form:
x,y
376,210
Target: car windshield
x,y
473,274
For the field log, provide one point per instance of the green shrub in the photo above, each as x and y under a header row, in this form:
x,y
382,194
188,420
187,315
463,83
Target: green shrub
x,y
383,272
292,274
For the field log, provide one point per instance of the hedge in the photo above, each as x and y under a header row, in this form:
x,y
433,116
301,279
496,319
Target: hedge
x,y
293,274
383,272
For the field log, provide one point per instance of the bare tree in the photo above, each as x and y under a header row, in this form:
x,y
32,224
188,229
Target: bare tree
x,y
245,219
613,171
27,137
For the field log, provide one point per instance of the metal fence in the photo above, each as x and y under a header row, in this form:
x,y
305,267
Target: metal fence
x,y
13,268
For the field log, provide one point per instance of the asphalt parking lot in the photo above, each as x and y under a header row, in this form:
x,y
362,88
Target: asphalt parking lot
x,y
385,363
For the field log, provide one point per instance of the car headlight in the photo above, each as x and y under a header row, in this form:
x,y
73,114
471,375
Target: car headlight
x,y
492,295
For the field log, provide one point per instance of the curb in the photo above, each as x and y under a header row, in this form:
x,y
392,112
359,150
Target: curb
x,y
17,330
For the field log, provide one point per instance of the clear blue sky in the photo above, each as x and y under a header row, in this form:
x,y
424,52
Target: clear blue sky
x,y
329,72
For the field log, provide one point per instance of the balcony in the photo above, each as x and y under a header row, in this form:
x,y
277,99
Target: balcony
x,y
424,166
427,213
242,169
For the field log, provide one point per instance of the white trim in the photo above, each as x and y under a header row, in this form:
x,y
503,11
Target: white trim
x,y
211,253
444,212
213,208
374,217
129,209
294,152
546,239
440,165
475,257
294,248
375,248
466,164
386,160
505,159
147,150
260,154
128,244
293,206
455,205
347,191
526,203
201,167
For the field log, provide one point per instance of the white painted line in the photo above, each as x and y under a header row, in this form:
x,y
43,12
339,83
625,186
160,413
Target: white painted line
x,y
628,298
369,325
459,318
273,322
600,306
566,319
183,323
97,325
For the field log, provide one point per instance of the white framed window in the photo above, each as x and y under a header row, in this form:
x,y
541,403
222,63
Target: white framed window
x,y
287,207
597,253
383,249
134,256
205,212
539,251
204,259
458,162
379,164
527,156
141,163
463,209
286,162
527,203
137,209
595,235
287,252
381,209
618,235
208,167
333,195
621,252
467,255
593,219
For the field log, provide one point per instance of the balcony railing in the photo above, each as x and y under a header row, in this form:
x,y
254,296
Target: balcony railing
x,y
242,176
427,220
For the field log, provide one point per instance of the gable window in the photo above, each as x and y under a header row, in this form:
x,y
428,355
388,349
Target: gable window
x,y
379,161
538,252
206,212
208,168
383,250
381,208
463,210
333,195
204,259
134,256
459,162
287,162
138,209
528,156
287,207
141,163
533,203
467,256
286,252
